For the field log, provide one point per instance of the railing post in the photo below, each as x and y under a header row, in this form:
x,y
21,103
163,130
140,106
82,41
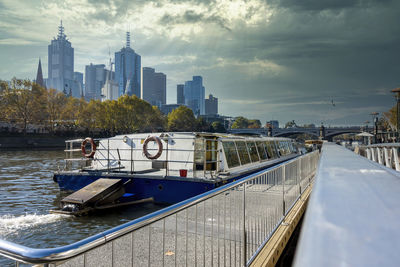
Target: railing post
x,y
283,189
132,155
108,155
380,160
387,160
373,154
369,154
244,226
396,159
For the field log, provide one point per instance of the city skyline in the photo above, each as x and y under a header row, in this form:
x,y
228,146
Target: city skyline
x,y
279,60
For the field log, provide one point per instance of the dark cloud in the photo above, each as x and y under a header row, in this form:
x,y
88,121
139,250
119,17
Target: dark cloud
x,y
319,5
192,17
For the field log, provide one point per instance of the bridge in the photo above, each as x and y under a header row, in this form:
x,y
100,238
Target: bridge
x,y
351,220
326,133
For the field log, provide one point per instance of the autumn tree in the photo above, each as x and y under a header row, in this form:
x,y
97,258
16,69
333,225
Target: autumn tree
x,y
254,124
55,102
181,119
20,103
240,123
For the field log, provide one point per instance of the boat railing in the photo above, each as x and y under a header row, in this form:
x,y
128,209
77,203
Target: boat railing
x,y
225,226
76,160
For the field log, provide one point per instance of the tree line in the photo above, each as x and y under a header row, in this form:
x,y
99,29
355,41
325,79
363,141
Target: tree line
x,y
23,102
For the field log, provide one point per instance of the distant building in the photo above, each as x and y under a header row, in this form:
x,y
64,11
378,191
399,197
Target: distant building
x,y
168,108
211,105
180,98
95,77
60,63
39,75
273,123
154,87
128,70
78,88
194,92
110,89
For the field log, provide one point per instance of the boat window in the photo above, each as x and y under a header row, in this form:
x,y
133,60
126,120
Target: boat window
x,y
211,155
286,147
279,148
199,154
243,154
253,151
261,150
230,154
270,149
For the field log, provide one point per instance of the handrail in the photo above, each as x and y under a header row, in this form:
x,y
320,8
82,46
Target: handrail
x,y
32,255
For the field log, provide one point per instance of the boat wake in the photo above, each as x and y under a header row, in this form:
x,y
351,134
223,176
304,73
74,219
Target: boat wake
x,y
10,223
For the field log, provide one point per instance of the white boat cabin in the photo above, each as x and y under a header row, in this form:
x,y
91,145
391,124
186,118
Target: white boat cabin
x,y
192,155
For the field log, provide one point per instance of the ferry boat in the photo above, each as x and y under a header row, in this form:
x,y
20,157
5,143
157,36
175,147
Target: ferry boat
x,y
162,167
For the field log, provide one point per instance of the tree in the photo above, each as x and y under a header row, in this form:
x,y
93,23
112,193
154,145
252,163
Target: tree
x,y
290,124
181,119
391,117
254,124
218,127
20,104
203,125
54,105
240,122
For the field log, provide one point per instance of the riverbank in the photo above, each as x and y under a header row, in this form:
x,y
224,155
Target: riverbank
x,y
36,142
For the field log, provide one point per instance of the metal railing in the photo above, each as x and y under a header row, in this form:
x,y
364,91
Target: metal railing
x,y
225,226
111,160
386,154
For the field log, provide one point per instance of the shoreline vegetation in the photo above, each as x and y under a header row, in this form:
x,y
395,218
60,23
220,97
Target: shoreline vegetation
x,y
27,109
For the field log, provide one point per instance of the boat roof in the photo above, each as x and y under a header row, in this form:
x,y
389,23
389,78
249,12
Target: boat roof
x,y
202,134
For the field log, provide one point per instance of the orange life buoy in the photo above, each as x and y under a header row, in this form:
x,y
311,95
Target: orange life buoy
x,y
160,147
92,145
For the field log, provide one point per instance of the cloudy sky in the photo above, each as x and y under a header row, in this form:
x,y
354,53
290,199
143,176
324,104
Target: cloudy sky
x,y
272,59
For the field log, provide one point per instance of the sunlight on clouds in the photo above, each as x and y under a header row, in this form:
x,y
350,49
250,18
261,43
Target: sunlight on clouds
x,y
251,68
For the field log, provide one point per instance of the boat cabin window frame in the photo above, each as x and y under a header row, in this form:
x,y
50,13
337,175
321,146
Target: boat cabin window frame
x,y
230,153
252,148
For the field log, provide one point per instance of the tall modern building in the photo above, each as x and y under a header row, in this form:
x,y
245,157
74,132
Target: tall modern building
x,y
211,105
95,77
60,63
78,89
110,89
154,87
180,98
128,70
194,92
39,75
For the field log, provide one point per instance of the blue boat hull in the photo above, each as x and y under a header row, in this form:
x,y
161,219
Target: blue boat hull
x,y
161,190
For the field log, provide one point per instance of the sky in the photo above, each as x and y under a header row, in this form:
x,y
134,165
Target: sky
x,y
312,61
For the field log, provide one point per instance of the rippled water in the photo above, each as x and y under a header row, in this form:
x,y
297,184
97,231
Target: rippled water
x,y
27,193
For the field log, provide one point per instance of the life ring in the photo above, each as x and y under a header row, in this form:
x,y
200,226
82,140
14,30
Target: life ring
x,y
160,147
92,145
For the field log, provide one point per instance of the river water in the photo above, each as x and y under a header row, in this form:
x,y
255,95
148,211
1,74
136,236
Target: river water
x,y
28,192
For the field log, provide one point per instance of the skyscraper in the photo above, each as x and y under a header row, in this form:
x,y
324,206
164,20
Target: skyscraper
x,y
95,77
78,91
180,98
128,70
154,87
211,105
60,63
39,75
194,92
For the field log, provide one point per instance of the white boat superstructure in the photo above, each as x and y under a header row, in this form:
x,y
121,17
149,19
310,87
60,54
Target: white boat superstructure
x,y
191,155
